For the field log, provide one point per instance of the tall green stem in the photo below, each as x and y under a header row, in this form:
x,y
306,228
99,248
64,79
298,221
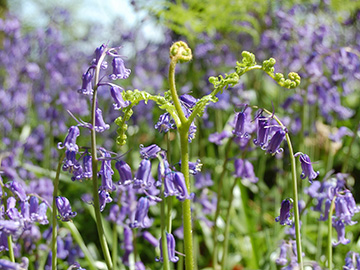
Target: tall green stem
x,y
177,54
295,194
54,223
188,238
99,224
227,226
165,255
329,243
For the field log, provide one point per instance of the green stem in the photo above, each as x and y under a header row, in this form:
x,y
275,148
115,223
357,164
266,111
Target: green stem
x,y
217,211
79,240
114,246
54,221
347,157
169,199
227,226
329,243
173,91
188,238
11,249
295,193
250,227
99,225
165,255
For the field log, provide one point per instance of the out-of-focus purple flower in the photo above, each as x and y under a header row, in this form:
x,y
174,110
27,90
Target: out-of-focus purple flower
x,y
342,210
326,212
151,239
119,69
139,266
194,167
150,151
142,176
106,173
124,172
104,198
273,146
7,265
120,103
171,248
86,87
17,189
64,208
343,131
165,123
262,131
70,140
12,212
340,229
282,260
245,170
100,125
284,218
41,214
141,219
307,169
218,138
313,189
116,215
128,244
62,253
203,180
76,266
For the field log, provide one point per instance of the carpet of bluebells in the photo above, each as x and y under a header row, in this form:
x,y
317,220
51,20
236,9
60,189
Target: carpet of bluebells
x,y
94,170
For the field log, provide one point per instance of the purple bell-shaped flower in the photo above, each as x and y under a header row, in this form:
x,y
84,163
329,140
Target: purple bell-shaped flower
x,y
284,218
119,69
70,140
120,103
64,208
307,169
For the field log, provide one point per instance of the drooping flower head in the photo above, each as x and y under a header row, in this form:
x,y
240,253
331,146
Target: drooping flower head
x,y
273,147
285,214
119,69
244,169
64,208
307,169
170,240
70,140
120,103
165,123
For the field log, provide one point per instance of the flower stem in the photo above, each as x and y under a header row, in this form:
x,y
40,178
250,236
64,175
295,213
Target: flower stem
x,y
227,225
54,223
329,243
295,194
165,255
11,250
114,246
99,225
217,211
188,238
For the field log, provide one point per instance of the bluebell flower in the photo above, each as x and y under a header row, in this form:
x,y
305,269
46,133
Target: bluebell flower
x,y
340,229
179,183
150,238
239,129
120,103
87,165
7,265
285,215
188,101
119,69
139,265
100,125
104,198
98,52
124,172
342,131
203,180
106,173
70,162
218,138
170,240
64,208
142,176
342,210
17,189
116,215
307,169
165,123
245,170
70,140
141,219
282,259
150,151
273,147
128,244
86,87
262,131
